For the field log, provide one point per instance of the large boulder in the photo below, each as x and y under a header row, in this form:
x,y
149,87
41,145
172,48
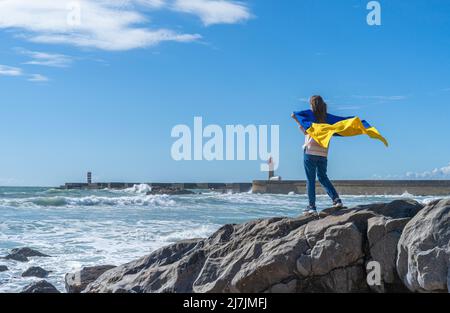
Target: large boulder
x,y
383,235
76,282
341,245
304,254
335,263
35,271
3,268
22,254
155,272
359,216
42,286
424,250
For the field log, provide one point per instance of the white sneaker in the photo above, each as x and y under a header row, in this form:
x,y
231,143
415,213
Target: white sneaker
x,y
310,211
338,204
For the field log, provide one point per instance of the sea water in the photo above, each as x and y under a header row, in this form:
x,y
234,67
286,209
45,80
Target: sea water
x,y
96,227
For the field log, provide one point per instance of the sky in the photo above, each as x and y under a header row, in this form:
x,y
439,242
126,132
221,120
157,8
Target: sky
x,y
99,85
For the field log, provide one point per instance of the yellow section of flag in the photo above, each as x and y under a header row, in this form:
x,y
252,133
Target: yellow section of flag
x,y
322,133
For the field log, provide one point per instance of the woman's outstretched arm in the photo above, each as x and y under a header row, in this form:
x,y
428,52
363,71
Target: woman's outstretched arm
x,y
299,125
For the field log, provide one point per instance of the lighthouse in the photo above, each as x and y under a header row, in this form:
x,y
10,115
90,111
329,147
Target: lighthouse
x,y
271,168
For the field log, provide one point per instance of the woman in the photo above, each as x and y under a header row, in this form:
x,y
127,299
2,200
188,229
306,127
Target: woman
x,y
316,159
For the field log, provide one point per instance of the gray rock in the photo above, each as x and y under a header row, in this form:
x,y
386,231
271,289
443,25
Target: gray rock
x,y
304,264
157,271
16,257
383,236
340,247
335,262
303,254
288,287
22,254
359,216
349,279
40,287
424,249
3,268
171,191
35,271
76,282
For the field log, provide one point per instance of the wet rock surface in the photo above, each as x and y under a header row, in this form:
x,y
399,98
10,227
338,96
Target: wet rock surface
x,y
40,287
170,191
76,282
35,271
22,254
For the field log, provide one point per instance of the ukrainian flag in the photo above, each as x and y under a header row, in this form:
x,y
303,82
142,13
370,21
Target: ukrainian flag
x,y
336,126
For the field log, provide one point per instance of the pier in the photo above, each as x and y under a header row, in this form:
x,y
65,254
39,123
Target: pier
x,y
232,187
344,187
274,185
360,187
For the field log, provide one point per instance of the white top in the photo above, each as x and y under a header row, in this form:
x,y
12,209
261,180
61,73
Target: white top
x,y
313,148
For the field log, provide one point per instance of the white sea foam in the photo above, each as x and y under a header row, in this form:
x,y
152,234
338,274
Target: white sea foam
x,y
139,189
73,244
62,201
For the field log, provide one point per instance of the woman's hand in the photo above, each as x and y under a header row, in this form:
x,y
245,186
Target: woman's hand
x,y
295,118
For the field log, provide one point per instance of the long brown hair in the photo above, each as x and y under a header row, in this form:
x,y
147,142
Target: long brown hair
x,y
319,108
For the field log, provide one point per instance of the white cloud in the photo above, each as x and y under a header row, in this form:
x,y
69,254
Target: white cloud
x,y
150,3
47,59
214,11
6,70
37,78
437,173
101,24
10,71
109,24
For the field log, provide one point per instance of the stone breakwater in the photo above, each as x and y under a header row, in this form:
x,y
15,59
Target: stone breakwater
x,y
410,242
438,188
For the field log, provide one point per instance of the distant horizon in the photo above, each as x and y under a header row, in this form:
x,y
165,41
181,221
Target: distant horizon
x,y
221,182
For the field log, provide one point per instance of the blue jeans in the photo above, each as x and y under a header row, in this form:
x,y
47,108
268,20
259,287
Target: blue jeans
x,y
317,165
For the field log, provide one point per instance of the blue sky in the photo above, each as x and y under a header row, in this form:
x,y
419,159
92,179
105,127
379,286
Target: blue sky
x,y
105,94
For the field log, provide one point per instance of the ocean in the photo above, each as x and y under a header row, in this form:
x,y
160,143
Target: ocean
x,y
97,227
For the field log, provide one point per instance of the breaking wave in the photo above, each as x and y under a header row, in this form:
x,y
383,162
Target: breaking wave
x,y
139,189
62,201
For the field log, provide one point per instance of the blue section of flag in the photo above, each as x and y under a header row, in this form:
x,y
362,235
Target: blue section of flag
x,y
307,118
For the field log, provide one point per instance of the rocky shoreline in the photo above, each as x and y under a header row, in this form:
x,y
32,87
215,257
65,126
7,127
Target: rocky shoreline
x,y
410,242
402,246
23,255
